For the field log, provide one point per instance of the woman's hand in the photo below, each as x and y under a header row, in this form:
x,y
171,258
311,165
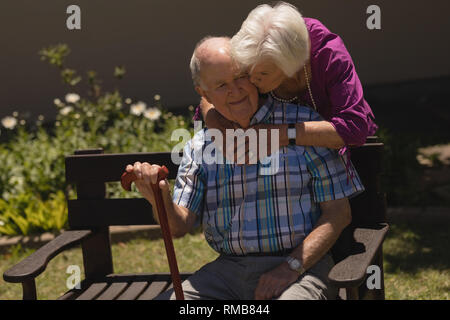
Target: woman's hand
x,y
215,119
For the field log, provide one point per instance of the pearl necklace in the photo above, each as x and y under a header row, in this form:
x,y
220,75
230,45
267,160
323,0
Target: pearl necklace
x,y
272,94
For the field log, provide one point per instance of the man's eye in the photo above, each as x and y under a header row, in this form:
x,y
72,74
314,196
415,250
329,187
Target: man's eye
x,y
264,73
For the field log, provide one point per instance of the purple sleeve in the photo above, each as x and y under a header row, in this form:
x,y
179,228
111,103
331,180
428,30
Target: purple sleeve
x,y
350,113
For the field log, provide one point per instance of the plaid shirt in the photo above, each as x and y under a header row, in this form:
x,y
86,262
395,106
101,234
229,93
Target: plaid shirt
x,y
243,211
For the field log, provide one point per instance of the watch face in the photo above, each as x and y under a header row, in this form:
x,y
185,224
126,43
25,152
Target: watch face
x,y
291,133
295,264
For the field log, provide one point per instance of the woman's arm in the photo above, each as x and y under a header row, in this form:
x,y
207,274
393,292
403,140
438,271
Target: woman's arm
x,y
350,114
310,133
315,133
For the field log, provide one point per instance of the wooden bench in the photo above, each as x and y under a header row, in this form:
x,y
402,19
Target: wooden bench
x,y
91,214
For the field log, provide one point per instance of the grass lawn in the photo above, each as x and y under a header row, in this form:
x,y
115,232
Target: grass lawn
x,y
416,261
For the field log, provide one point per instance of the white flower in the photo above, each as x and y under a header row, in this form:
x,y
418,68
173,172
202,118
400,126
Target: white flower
x,y
16,180
58,102
41,117
2,223
22,122
138,108
15,114
157,97
9,122
66,110
72,97
128,100
152,114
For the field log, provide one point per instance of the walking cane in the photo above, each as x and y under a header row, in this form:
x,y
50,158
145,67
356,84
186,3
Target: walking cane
x,y
126,180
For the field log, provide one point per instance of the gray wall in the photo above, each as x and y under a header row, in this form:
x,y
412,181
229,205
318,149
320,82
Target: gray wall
x,y
154,41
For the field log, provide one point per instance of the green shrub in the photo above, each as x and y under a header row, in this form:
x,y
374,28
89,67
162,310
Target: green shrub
x,y
27,214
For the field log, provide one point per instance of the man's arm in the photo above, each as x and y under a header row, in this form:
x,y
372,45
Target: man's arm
x,y
336,215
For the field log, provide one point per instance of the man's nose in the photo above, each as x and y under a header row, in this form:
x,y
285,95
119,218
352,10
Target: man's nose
x,y
233,88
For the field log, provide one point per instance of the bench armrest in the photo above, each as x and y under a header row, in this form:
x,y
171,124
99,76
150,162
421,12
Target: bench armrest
x,y
351,271
33,265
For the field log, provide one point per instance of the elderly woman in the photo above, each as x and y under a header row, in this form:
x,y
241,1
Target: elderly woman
x,y
298,60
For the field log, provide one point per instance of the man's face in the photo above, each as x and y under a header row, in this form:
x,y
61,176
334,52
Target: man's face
x,y
229,90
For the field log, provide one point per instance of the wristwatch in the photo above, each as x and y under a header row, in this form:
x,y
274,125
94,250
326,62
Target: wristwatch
x,y
292,134
295,265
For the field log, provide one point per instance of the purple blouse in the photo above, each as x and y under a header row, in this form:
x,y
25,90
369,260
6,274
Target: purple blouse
x,y
335,86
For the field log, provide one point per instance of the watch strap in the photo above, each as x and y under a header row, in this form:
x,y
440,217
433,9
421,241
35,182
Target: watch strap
x,y
292,137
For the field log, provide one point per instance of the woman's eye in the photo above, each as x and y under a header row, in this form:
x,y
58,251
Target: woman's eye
x,y
264,73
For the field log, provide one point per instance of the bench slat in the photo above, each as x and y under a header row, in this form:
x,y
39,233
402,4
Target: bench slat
x,y
109,212
154,289
133,291
93,291
113,291
109,167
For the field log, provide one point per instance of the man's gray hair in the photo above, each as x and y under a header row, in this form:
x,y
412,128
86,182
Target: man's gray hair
x,y
276,33
195,64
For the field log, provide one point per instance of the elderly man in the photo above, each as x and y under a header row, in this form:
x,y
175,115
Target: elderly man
x,y
273,232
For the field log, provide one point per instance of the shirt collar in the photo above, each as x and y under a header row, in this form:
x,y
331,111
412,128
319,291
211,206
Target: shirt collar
x,y
264,111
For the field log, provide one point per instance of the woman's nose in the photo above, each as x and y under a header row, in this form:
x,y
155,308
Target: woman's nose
x,y
254,79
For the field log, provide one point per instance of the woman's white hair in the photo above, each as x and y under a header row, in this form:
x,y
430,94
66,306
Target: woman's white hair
x,y
277,33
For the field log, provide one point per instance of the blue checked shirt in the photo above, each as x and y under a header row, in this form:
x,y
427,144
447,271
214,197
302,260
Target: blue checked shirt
x,y
245,210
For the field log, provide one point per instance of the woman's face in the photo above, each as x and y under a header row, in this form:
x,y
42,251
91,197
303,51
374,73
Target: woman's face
x,y
266,76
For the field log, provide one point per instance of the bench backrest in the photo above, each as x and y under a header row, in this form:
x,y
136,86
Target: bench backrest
x,y
90,169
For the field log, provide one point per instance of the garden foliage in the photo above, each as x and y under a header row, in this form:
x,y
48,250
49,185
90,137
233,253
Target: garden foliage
x,y
32,181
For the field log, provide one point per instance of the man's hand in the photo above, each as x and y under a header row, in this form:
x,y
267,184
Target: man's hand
x,y
181,219
273,283
147,174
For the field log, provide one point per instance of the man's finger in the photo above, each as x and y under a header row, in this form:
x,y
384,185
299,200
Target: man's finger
x,y
146,172
137,170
